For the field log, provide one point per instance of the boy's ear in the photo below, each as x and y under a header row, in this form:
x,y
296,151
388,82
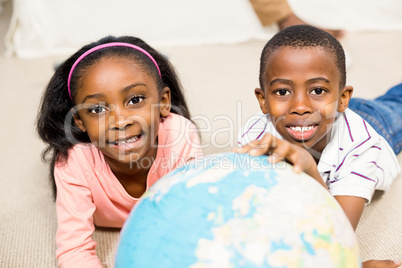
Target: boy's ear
x,y
78,121
346,95
165,103
259,93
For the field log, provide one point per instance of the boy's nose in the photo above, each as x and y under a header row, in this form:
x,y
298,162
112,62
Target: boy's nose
x,y
301,104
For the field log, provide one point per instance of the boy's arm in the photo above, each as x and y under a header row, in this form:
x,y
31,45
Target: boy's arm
x,y
352,206
278,150
302,161
381,264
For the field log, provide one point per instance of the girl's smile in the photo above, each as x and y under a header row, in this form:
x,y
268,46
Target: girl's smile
x,y
126,141
125,144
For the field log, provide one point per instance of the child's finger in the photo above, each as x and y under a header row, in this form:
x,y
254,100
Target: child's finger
x,y
258,150
258,147
275,158
244,149
238,149
262,146
381,263
281,148
398,263
285,150
297,168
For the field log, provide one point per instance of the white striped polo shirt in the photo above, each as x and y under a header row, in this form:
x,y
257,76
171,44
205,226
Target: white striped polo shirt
x,y
356,162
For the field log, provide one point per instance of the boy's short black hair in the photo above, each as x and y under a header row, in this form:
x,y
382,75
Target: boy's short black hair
x,y
302,36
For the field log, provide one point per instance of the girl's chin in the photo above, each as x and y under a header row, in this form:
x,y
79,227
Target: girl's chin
x,y
122,157
139,159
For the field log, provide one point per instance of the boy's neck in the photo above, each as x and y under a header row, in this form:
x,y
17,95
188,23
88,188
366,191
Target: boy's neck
x,y
316,155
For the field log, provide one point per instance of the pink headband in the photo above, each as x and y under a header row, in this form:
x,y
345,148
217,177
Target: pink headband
x,y
114,44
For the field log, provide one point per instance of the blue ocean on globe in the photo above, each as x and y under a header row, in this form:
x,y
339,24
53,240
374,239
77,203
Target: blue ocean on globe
x,y
235,210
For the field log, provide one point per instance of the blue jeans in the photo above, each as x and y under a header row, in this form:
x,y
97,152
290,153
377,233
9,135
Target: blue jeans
x,y
384,114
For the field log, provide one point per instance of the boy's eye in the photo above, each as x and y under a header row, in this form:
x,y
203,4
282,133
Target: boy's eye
x,y
317,91
136,100
96,109
282,92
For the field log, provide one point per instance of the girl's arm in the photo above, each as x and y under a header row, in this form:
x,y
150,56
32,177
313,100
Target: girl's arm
x,y
187,145
74,207
193,150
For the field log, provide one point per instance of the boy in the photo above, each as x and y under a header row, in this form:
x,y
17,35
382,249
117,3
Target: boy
x,y
304,98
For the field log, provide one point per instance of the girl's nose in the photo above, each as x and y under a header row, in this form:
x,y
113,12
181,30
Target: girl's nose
x,y
301,104
119,120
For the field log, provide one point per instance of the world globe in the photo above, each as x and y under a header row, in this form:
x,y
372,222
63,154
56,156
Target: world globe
x,y
234,210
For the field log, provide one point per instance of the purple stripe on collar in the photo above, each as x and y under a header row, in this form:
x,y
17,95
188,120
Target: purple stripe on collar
x,y
347,124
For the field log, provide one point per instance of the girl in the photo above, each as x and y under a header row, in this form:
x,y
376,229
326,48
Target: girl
x,y
115,121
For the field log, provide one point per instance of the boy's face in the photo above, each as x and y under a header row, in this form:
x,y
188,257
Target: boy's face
x,y
302,95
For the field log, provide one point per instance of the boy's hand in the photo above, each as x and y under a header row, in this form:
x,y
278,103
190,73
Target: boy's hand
x,y
381,264
278,150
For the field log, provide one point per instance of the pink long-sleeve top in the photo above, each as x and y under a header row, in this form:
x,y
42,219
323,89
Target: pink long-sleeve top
x,y
89,194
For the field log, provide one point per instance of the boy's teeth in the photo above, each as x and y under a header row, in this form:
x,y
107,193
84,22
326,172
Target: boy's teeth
x,y
301,129
133,139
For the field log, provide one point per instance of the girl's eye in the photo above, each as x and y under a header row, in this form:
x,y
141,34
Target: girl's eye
x,y
136,100
317,91
282,92
96,109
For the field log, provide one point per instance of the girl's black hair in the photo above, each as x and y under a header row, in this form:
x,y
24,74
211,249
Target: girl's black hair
x,y
55,123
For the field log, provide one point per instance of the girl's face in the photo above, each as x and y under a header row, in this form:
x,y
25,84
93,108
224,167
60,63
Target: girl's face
x,y
302,95
119,107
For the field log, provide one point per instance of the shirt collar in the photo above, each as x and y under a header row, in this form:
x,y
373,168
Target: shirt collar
x,y
331,151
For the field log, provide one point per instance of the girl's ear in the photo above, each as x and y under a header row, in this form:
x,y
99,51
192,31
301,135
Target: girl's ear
x,y
346,95
259,93
165,103
78,121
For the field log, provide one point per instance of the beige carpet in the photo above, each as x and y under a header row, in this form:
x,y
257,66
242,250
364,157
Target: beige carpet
x,y
219,81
